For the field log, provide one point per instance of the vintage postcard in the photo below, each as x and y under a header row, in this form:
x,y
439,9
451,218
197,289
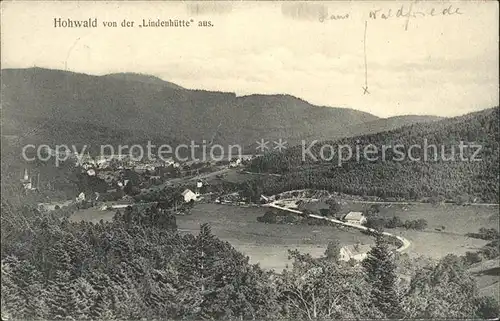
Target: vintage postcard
x,y
249,160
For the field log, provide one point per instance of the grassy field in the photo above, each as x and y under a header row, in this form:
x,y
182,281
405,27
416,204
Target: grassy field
x,y
92,214
266,244
234,176
487,276
457,220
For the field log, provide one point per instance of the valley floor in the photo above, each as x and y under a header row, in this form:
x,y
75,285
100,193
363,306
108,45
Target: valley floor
x,y
267,244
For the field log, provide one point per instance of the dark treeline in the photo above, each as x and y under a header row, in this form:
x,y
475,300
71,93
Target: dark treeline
x,y
139,267
431,178
485,234
380,222
132,268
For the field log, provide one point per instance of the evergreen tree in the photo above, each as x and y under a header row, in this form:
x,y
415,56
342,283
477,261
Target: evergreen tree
x,y
381,274
487,308
12,301
445,290
319,289
332,251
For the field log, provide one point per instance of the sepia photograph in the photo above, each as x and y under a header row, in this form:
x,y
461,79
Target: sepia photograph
x,y
250,160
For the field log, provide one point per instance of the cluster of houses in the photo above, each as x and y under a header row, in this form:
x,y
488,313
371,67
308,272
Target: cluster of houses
x,y
30,183
235,162
319,207
233,199
125,161
122,162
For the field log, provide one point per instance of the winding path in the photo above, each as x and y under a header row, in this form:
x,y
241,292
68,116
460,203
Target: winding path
x,y
405,243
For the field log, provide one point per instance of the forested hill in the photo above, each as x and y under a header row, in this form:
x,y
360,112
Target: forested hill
x,y
61,105
130,76
438,173
391,123
141,103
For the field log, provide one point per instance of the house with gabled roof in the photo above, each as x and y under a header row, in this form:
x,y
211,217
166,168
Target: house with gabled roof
x,y
189,195
354,218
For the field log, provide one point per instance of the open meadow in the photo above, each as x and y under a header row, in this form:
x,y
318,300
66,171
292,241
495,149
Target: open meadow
x,y
447,224
487,277
266,244
92,214
435,241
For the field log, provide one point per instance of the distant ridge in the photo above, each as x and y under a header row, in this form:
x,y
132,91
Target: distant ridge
x,y
149,106
391,123
131,76
433,174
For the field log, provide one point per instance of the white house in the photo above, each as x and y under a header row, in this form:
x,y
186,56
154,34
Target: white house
x,y
144,167
81,197
357,253
88,166
355,218
235,163
189,195
26,180
86,161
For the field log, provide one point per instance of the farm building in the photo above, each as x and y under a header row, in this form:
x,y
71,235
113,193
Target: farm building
x,y
356,252
354,218
235,163
47,207
30,182
189,195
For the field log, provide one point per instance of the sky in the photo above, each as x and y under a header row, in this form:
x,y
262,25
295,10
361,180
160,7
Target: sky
x,y
443,65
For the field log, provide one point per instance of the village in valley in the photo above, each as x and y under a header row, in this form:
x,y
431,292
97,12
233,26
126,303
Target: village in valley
x,y
286,161
115,179
275,210
114,183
